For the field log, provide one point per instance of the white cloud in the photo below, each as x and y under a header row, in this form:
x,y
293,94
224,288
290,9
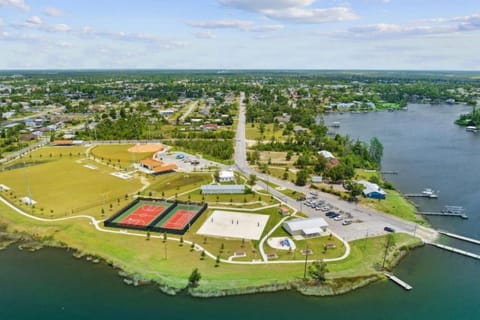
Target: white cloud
x,y
34,21
205,34
296,11
427,27
301,15
53,12
126,36
259,5
60,27
222,24
1,23
242,25
17,4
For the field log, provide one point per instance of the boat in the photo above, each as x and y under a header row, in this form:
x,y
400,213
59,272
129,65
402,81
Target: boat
x,y
336,124
429,193
471,129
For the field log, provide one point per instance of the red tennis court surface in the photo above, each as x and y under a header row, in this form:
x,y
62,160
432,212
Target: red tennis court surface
x,y
143,216
179,219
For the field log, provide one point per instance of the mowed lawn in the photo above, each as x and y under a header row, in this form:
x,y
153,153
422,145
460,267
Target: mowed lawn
x,y
65,184
119,154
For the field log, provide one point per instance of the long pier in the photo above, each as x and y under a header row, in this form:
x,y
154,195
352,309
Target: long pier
x,y
459,237
421,195
398,281
455,250
445,214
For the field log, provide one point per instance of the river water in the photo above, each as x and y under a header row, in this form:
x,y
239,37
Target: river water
x,y
422,144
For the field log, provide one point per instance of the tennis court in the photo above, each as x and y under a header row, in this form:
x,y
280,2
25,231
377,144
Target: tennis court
x,y
179,217
142,213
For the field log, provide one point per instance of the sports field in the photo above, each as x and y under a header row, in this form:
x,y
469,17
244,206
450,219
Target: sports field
x,y
62,184
229,224
142,214
179,217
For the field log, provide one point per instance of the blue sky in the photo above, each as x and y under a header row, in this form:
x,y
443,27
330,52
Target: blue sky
x,y
240,34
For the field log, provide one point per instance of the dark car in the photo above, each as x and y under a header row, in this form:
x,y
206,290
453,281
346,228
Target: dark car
x,y
301,199
389,229
331,214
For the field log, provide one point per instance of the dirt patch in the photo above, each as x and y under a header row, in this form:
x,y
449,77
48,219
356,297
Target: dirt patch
x,y
142,148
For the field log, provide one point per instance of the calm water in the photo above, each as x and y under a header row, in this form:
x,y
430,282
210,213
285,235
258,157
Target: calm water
x,y
422,144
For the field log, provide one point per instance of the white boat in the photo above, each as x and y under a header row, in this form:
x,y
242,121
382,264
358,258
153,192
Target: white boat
x,y
471,129
429,193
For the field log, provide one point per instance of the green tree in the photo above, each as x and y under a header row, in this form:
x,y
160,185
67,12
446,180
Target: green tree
x,y
375,150
302,177
194,278
317,271
252,179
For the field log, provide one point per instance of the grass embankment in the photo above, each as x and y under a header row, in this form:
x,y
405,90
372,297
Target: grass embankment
x,y
168,185
62,185
147,258
366,255
394,204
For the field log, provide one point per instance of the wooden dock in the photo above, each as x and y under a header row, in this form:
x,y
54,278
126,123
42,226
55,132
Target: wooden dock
x,y
444,214
398,281
421,195
457,251
389,172
459,237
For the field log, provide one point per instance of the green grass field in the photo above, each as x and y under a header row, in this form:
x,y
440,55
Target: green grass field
x,y
168,185
253,133
119,154
63,184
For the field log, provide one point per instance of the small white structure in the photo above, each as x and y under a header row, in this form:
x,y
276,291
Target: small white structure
x,y
311,227
317,179
226,176
326,154
28,201
223,189
4,187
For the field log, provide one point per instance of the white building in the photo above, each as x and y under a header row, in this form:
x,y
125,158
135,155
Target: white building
x,y
311,227
372,190
326,154
226,176
223,189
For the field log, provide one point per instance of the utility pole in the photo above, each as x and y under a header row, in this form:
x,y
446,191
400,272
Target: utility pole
x,y
305,266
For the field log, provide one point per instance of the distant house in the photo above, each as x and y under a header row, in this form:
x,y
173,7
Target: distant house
x,y
62,143
223,189
299,129
283,211
311,227
166,113
210,127
226,176
372,190
326,154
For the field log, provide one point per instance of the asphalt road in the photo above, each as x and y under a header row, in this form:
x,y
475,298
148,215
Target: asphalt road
x,y
366,222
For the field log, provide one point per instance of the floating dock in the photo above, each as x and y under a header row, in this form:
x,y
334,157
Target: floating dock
x,y
459,237
421,195
444,214
389,172
455,250
398,281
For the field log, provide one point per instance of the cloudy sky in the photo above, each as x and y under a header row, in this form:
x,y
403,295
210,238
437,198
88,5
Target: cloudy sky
x,y
240,34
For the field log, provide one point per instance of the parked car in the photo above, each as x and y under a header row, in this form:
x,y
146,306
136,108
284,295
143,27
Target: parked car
x,y
346,222
338,218
389,229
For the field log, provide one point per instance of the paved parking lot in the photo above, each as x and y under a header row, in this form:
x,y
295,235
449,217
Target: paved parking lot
x,y
188,162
